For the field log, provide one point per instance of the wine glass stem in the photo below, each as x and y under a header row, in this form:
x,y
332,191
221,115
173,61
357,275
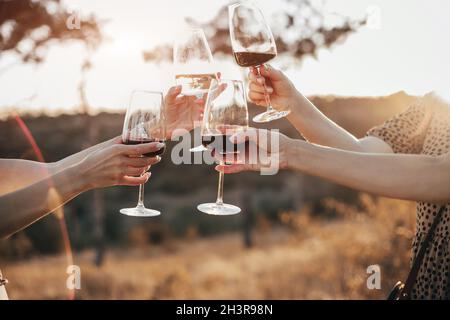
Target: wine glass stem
x,y
141,196
266,96
219,200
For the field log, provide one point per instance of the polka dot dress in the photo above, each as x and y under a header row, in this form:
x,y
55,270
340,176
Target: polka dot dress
x,y
424,128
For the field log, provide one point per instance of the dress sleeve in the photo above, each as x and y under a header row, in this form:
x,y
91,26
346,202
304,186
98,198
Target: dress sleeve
x,y
405,133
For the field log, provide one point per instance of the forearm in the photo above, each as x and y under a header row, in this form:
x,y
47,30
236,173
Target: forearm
x,y
318,128
410,177
77,157
18,173
23,207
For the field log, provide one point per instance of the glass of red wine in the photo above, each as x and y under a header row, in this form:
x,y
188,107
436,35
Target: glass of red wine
x,y
194,65
225,114
144,122
253,45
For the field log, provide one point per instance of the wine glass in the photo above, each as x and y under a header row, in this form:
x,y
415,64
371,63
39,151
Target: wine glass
x,y
194,65
253,45
225,114
144,122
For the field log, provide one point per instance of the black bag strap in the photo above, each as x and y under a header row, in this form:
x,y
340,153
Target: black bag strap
x,y
412,276
2,280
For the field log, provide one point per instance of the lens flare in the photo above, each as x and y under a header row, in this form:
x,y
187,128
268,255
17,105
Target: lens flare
x,y
53,198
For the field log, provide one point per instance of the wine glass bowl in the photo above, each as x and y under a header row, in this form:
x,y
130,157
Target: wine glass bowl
x,y
144,122
193,62
250,33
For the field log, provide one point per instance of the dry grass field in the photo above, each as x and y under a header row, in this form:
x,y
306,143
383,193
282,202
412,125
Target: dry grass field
x,y
306,258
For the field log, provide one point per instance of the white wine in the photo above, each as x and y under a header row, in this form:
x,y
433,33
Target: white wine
x,y
194,84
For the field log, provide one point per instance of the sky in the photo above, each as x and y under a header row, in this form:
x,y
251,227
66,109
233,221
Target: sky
x,y
406,48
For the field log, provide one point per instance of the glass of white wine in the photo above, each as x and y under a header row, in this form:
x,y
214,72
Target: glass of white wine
x,y
193,62
194,65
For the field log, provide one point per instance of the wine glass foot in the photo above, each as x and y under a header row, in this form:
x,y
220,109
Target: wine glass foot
x,y
140,211
218,209
270,115
199,148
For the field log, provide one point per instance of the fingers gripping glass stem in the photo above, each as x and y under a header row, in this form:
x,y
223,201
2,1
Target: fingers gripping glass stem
x,y
270,114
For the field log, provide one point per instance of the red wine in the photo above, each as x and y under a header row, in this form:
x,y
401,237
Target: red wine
x,y
150,154
252,59
222,143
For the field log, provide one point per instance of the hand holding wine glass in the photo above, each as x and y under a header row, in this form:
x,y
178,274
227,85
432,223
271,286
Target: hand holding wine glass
x,y
226,113
272,82
253,45
48,186
117,164
265,149
144,122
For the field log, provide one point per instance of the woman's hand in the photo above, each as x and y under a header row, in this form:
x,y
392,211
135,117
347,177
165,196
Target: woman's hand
x,y
106,164
118,164
279,88
264,150
182,112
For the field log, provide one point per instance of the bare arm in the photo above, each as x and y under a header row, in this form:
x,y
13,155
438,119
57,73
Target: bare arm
x,y
107,166
18,173
305,117
24,206
403,176
319,129
77,157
